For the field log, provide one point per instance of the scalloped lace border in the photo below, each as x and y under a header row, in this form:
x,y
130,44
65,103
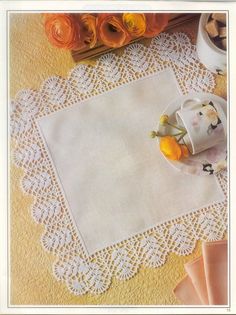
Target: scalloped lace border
x,y
83,273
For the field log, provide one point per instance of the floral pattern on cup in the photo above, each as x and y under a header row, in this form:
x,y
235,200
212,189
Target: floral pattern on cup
x,y
205,124
210,113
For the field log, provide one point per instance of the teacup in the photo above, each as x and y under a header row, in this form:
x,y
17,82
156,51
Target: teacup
x,y
205,123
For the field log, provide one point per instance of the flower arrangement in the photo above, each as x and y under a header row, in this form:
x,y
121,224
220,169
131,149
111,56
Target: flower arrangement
x,y
75,31
170,145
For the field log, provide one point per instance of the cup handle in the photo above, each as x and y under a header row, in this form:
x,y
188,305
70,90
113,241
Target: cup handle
x,y
190,103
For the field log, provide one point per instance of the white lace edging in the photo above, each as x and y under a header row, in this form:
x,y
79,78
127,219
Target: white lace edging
x,y
83,273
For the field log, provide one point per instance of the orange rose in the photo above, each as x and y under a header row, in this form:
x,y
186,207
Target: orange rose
x,y
47,15
112,31
156,22
62,30
135,23
184,150
89,31
170,148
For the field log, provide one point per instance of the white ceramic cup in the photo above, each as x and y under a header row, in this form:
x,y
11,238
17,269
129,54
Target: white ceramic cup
x,y
205,123
209,54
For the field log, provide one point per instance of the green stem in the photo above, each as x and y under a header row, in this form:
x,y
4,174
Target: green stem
x,y
182,129
181,137
174,135
177,134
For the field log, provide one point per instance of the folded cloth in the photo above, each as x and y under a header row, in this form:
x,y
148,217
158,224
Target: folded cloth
x,y
206,280
216,271
186,292
195,270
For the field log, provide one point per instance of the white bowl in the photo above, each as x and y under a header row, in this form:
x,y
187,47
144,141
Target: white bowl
x,y
209,54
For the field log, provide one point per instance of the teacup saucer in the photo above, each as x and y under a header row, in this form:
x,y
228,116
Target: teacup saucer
x,y
209,161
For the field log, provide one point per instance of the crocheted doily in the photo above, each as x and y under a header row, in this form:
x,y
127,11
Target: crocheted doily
x,y
83,273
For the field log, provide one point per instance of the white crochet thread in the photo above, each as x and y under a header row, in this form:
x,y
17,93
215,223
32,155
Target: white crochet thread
x,y
83,273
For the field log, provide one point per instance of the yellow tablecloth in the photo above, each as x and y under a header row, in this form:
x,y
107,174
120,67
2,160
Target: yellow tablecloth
x,y
32,60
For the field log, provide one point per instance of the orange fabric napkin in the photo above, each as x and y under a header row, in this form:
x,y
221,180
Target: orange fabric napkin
x,y
216,271
206,280
186,292
196,272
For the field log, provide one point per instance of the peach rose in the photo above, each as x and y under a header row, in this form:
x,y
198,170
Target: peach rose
x,y
89,31
62,30
135,23
155,23
112,31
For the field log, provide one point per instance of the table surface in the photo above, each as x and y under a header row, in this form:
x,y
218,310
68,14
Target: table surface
x,y
32,60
